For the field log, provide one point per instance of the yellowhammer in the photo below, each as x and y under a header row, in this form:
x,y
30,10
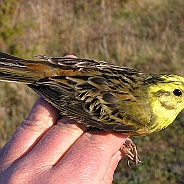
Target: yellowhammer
x,y
96,94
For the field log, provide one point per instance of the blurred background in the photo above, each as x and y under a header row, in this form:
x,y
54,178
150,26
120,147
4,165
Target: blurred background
x,y
145,35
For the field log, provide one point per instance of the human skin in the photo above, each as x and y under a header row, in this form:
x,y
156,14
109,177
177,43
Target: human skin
x,y
49,149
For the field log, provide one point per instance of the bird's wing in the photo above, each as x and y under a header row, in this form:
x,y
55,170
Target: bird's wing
x,y
89,100
92,92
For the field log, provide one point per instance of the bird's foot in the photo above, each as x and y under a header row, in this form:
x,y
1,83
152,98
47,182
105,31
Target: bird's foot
x,y
130,150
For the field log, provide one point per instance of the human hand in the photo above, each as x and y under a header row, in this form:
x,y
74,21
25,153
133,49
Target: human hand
x,y
47,149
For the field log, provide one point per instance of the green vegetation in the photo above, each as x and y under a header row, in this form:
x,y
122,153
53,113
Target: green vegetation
x,y
146,35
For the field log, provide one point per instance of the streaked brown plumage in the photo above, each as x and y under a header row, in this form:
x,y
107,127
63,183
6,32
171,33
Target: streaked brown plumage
x,y
92,92
96,94
88,91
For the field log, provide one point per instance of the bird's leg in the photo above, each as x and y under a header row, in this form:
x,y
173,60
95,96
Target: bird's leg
x,y
130,150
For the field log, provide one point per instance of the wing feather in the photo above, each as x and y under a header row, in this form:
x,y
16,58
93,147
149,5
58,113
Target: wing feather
x,y
83,101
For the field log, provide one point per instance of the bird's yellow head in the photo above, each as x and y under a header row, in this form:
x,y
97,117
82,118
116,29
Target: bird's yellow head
x,y
166,97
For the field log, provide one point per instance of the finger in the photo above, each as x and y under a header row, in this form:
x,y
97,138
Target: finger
x,y
90,157
70,56
108,178
41,118
55,143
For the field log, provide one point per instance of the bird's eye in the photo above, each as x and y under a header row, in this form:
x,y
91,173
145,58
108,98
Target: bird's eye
x,y
177,92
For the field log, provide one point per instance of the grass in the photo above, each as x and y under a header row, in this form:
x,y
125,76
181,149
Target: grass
x,y
16,100
146,35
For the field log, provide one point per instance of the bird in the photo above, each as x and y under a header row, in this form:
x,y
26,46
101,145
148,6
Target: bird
x,y
101,95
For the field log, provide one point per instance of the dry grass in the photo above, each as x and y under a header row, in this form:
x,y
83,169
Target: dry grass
x,y
146,35
16,100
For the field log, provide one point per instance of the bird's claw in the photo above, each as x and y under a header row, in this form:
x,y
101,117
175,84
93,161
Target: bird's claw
x,y
130,150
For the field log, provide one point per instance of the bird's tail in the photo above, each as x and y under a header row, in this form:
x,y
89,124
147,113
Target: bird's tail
x,y
20,70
